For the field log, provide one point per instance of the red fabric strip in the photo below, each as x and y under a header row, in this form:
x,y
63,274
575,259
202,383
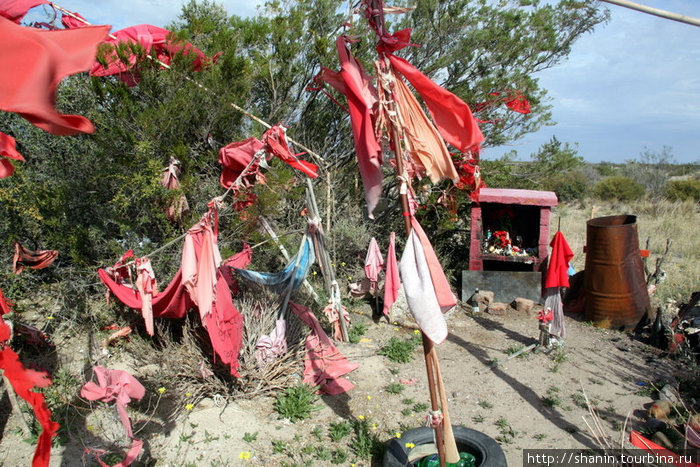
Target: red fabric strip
x,y
39,60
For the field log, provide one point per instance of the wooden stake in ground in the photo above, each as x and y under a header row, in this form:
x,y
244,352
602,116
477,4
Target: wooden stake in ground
x,y
444,436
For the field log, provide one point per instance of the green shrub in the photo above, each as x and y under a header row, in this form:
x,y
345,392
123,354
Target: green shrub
x,y
618,188
569,186
297,402
397,350
683,190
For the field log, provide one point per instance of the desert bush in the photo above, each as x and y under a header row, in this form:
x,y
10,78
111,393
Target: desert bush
x,y
683,190
618,188
569,186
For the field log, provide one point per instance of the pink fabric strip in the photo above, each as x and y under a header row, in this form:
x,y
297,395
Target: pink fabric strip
x,y
120,387
325,366
392,282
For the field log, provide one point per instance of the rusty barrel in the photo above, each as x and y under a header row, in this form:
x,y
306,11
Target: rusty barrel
x,y
616,292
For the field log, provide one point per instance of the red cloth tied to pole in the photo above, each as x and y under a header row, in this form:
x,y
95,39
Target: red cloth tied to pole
x,y
235,158
120,387
22,381
8,149
70,22
557,270
276,143
15,10
392,282
38,61
373,264
362,98
147,286
452,116
324,365
33,259
157,42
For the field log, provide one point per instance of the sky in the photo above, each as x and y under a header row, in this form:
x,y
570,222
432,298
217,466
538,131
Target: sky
x,y
633,85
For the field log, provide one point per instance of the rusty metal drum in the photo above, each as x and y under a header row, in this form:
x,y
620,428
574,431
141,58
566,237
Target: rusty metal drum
x,y
614,282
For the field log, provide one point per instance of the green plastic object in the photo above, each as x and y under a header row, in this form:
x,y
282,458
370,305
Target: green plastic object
x,y
465,460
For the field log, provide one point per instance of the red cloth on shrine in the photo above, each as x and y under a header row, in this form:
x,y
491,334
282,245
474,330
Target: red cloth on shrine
x,y
324,365
120,387
15,10
235,157
451,115
178,207
35,61
157,42
362,100
392,281
22,381
276,143
33,259
557,270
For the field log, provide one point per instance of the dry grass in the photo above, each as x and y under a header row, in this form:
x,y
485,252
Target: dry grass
x,y
180,357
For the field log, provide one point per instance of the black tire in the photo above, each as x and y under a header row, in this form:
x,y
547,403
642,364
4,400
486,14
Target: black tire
x,y
487,451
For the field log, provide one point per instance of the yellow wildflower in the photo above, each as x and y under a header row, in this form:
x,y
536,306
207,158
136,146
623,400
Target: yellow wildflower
x,y
369,397
245,455
410,445
49,317
188,394
374,426
398,435
416,331
161,390
189,406
361,417
342,263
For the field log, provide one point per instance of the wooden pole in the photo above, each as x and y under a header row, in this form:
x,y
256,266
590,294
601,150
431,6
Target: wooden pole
x,y
656,12
444,436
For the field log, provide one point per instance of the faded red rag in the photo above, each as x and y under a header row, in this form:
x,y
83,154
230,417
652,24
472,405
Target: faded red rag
x,y
120,387
38,61
33,259
8,149
324,365
15,10
362,99
235,157
451,115
157,42
276,143
392,282
22,381
373,264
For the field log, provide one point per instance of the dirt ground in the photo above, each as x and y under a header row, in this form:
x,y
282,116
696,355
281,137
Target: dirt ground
x,y
527,402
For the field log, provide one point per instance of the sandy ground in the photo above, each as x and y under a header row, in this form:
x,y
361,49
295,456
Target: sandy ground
x,y
503,398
